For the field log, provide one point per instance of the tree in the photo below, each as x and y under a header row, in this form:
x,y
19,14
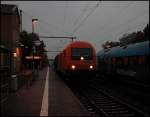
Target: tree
x,y
139,37
28,40
25,39
110,44
41,48
126,39
33,36
146,32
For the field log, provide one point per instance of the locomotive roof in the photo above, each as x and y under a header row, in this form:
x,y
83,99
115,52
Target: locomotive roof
x,y
84,42
78,43
141,48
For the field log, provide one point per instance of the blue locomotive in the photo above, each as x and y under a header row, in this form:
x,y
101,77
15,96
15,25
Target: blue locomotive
x,y
131,60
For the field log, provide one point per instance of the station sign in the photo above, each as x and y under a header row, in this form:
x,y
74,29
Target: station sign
x,y
33,57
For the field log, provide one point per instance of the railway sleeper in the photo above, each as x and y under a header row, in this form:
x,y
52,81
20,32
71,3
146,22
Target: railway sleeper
x,y
101,98
97,100
108,104
108,107
113,109
122,115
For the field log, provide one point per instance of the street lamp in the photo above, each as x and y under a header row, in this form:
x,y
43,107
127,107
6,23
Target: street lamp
x,y
33,22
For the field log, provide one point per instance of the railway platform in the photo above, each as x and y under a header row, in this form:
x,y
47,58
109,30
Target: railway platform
x,y
62,102
46,96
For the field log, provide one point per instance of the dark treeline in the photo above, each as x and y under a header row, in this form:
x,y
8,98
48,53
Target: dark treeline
x,y
126,39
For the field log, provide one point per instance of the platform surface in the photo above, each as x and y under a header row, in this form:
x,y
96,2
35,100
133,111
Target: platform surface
x,y
62,102
48,95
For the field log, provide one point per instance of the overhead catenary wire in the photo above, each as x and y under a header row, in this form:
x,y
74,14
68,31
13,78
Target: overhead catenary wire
x,y
123,10
52,35
65,14
119,13
84,21
136,17
128,29
39,24
85,9
131,3
125,23
43,29
42,21
82,13
122,32
81,23
131,20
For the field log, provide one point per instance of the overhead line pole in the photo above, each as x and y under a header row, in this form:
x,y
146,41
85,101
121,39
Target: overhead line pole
x,y
72,38
52,51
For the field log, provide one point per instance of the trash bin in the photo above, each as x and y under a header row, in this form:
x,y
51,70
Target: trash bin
x,y
14,82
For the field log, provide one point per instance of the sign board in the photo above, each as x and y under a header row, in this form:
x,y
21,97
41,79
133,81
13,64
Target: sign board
x,y
35,57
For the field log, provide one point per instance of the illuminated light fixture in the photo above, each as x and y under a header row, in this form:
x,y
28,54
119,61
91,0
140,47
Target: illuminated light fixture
x,y
82,58
91,66
35,57
34,20
29,57
17,52
14,54
73,66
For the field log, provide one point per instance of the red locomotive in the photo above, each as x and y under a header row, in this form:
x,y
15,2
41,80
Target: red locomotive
x,y
79,57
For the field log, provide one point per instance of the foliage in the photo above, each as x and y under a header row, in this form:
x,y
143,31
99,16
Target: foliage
x,y
25,39
126,39
110,44
146,32
28,40
132,38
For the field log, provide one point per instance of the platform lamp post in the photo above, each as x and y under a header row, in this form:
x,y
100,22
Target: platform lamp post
x,y
33,23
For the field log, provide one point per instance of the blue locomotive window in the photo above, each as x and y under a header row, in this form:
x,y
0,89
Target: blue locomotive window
x,y
76,53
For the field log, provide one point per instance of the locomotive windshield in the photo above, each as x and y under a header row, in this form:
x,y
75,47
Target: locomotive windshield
x,y
76,53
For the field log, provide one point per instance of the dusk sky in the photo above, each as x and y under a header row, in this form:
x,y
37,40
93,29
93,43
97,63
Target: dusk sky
x,y
92,21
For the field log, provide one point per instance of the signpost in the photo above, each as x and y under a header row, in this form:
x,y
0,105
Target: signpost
x,y
34,51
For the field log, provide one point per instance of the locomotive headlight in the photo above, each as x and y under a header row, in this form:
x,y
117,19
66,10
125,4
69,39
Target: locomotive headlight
x,y
73,66
91,66
82,58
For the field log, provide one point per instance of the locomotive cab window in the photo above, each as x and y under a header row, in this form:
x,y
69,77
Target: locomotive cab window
x,y
76,53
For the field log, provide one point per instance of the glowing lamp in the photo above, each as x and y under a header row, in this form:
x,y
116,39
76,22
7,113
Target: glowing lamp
x,y
73,66
14,54
82,58
91,66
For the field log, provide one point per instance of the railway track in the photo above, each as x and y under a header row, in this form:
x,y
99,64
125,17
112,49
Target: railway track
x,y
99,103
124,80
